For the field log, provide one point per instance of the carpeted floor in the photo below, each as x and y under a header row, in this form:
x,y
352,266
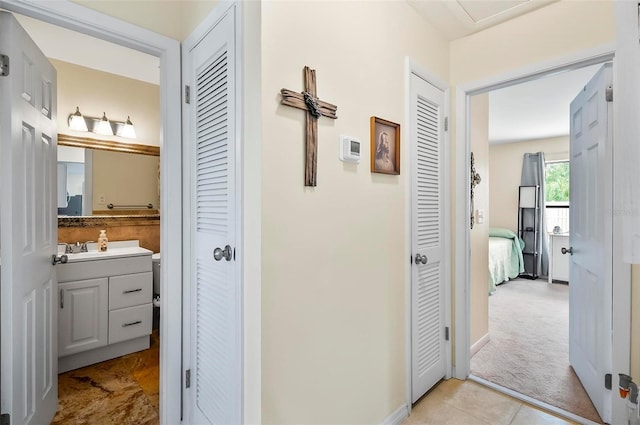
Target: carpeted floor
x,y
528,350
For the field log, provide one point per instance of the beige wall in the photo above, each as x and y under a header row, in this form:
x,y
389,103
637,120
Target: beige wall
x,y
558,29
173,18
334,256
479,273
96,92
125,179
505,166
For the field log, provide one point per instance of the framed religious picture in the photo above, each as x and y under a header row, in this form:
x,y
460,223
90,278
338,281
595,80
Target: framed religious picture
x,y
385,146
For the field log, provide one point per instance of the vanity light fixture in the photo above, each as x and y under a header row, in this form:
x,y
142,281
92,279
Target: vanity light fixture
x,y
76,121
103,126
126,129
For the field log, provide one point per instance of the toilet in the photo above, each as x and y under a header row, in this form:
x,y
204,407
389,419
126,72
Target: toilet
x,y
155,268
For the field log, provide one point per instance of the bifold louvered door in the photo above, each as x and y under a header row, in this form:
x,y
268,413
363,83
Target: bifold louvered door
x,y
216,355
427,271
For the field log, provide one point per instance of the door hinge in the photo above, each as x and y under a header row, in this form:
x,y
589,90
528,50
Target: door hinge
x,y
607,381
5,419
608,93
4,65
446,333
187,94
446,123
187,379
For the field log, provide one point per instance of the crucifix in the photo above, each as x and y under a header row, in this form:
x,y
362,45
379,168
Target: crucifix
x,y
316,108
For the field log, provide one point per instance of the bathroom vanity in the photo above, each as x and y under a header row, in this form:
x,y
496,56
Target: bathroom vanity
x,y
105,304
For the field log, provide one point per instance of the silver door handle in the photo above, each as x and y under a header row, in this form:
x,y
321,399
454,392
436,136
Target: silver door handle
x,y
219,254
565,250
56,259
421,259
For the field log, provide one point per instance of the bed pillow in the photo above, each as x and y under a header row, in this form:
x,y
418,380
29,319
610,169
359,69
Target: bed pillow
x,y
500,232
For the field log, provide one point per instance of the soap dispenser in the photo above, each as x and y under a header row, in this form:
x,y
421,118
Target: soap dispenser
x,y
102,241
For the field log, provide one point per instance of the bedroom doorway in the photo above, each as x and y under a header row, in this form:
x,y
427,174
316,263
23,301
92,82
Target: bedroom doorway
x,y
519,335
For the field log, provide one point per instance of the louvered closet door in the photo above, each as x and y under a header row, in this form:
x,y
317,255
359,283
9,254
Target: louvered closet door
x,y
216,355
427,271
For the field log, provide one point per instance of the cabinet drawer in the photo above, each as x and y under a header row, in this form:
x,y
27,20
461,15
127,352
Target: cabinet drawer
x,y
129,290
130,322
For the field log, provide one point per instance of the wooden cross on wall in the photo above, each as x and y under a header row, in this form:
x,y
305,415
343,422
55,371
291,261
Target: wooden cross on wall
x,y
316,108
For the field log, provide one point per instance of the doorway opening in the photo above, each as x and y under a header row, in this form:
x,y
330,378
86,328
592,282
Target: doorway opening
x,y
474,340
132,372
520,337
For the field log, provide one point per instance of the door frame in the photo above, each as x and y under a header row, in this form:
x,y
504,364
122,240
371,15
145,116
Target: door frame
x,y
412,67
621,271
78,18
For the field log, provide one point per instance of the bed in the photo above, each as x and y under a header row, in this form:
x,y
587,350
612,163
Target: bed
x,y
505,256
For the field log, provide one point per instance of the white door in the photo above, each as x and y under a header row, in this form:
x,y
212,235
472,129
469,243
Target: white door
x,y
28,229
428,362
590,266
215,291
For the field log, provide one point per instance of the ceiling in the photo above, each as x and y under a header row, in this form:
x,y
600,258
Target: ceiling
x,y
90,52
536,109
459,18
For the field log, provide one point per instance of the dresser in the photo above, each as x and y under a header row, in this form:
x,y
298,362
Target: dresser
x,y
558,262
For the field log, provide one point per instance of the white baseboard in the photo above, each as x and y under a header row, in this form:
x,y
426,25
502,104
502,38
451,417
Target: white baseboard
x,y
397,417
479,344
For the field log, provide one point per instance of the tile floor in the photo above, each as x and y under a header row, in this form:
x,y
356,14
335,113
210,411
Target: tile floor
x,y
121,391
456,402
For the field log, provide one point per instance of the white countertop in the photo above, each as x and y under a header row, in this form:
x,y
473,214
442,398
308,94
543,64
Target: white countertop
x,y
115,250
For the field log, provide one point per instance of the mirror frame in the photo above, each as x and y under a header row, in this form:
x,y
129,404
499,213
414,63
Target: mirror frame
x,y
113,146
106,145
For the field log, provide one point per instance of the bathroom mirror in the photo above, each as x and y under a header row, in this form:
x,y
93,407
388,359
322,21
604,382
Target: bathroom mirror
x,y
98,178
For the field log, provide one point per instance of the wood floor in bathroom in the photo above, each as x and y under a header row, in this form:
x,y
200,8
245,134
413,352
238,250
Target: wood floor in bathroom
x,y
123,391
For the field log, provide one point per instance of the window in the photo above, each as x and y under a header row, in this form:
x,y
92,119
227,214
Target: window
x,y
556,195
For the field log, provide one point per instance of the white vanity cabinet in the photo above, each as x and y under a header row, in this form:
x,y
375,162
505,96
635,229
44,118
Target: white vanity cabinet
x,y
82,316
105,306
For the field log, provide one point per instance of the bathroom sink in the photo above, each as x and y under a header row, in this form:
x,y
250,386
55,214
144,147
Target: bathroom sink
x,y
115,250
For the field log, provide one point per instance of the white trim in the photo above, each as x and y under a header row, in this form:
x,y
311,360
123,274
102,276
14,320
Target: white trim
x,y
532,401
479,344
78,18
411,67
531,72
462,240
398,416
621,272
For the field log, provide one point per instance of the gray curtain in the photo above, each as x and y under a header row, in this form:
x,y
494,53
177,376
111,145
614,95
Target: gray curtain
x,y
533,169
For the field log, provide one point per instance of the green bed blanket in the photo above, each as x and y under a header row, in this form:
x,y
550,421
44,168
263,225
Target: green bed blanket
x,y
505,256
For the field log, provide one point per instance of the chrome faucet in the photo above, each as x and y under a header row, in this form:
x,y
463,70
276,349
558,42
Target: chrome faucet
x,y
84,246
67,248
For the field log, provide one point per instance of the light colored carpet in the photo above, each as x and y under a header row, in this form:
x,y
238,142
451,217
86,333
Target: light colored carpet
x,y
528,350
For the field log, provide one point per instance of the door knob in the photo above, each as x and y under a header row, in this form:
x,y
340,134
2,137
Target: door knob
x,y
56,259
219,254
421,259
565,250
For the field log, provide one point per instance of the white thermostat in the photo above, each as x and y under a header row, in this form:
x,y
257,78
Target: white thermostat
x,y
349,149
